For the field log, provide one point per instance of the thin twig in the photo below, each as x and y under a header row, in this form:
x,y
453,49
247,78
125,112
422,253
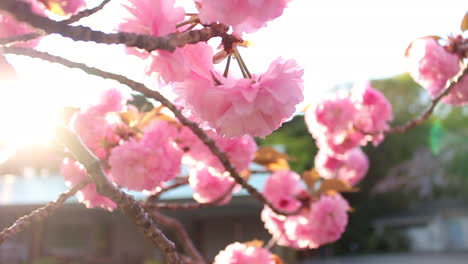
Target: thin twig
x,y
40,214
182,236
85,13
271,243
20,38
414,123
141,88
126,202
177,184
190,206
22,12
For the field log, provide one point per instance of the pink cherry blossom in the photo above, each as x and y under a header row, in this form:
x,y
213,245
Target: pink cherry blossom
x,y
432,66
146,164
330,121
159,18
342,142
238,253
93,125
152,17
112,100
355,167
74,173
274,223
325,223
374,110
209,185
281,189
182,63
243,15
327,164
334,114
240,151
350,167
242,106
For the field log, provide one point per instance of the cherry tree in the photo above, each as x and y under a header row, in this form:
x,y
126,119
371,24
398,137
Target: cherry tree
x,y
209,125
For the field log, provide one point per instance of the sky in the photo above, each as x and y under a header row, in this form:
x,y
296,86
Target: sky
x,y
335,41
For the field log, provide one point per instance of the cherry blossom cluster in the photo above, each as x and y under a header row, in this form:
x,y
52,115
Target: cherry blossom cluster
x,y
253,105
432,65
147,151
341,123
145,158
321,220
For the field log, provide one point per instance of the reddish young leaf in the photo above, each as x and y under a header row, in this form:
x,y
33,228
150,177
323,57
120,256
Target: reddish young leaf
x,y
267,155
254,243
409,46
464,24
310,177
335,185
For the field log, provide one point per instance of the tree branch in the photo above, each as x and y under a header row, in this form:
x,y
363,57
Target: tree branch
x,y
416,122
72,19
182,236
125,202
22,12
39,214
141,88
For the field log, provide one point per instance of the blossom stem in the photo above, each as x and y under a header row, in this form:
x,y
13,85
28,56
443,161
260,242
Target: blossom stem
x,y
241,66
226,70
271,243
242,63
193,20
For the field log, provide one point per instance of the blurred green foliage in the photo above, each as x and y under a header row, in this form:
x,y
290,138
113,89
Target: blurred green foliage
x,y
296,140
444,133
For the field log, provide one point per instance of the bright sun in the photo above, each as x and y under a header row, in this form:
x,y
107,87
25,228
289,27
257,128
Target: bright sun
x,y
28,115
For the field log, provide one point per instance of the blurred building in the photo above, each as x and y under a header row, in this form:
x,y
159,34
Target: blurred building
x,y
74,232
